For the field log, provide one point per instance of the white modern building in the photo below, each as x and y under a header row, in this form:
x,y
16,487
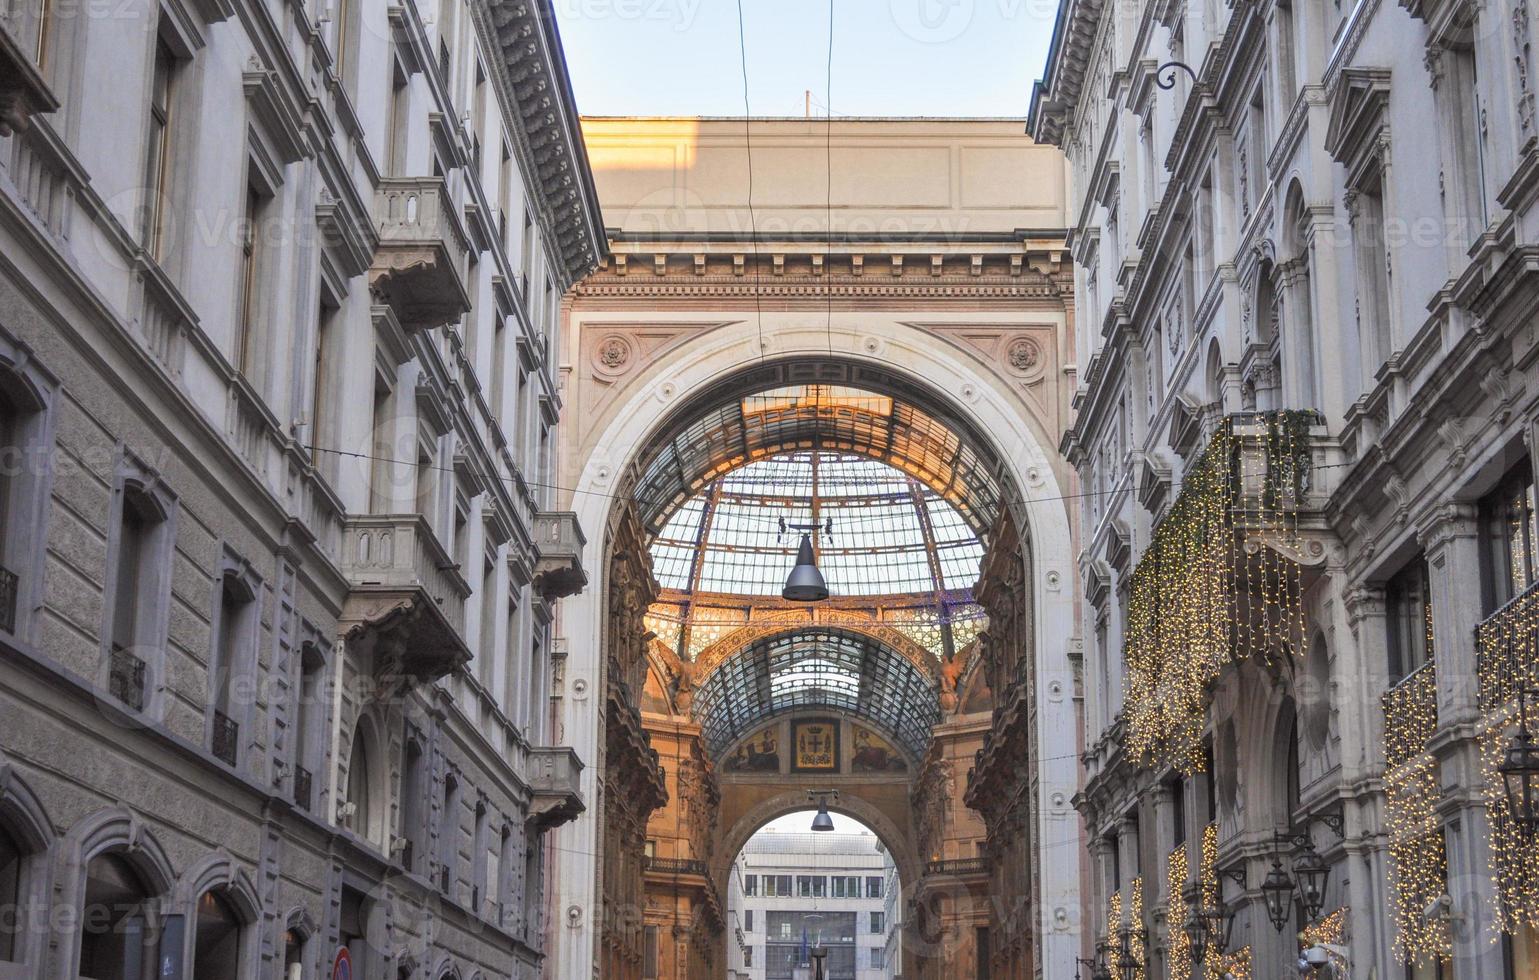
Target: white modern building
x,y
794,891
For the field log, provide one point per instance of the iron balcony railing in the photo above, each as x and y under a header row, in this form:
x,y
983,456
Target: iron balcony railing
x,y
226,738
675,866
8,590
1507,650
303,788
957,866
125,677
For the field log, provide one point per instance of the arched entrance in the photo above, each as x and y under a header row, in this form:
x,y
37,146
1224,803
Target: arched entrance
x,y
687,388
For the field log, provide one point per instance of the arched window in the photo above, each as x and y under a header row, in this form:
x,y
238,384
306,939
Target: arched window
x,y
294,942
360,786
116,927
217,940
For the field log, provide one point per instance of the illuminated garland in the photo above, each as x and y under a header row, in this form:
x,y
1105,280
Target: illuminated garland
x,y
1138,953
1329,930
1206,591
1418,860
1208,895
1179,947
1507,640
1113,924
1235,964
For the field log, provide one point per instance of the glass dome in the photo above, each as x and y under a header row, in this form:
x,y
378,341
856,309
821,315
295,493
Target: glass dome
x,y
886,533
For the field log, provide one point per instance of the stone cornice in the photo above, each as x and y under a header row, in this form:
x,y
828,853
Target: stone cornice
x,y
1055,97
533,69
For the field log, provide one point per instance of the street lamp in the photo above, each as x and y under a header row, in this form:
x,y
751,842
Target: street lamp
x,y
1313,873
1520,769
822,823
1277,889
1207,927
1130,966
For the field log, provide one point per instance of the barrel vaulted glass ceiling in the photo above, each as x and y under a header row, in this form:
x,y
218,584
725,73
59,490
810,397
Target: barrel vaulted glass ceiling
x,y
832,669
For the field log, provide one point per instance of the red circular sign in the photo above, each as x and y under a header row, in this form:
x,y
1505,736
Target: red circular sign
x,y
342,969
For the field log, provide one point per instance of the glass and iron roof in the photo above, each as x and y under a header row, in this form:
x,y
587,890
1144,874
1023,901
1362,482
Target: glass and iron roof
x,y
734,431
885,532
835,670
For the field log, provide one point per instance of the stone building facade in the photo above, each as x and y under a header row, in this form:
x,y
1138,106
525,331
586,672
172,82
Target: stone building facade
x,y
279,291
1306,420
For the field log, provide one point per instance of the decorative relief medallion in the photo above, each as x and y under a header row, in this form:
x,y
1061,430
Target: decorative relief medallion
x,y
1023,355
613,355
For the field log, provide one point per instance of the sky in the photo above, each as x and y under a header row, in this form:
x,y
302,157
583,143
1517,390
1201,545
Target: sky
x,y
890,57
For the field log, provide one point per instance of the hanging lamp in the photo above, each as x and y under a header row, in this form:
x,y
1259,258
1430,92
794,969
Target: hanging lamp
x,y
805,583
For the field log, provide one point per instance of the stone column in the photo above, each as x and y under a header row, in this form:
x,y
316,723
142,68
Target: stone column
x,y
1451,540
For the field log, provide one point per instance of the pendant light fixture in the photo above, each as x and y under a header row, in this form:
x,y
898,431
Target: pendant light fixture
x,y
805,583
823,822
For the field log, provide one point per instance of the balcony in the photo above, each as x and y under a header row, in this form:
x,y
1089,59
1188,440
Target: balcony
x,y
23,93
1507,653
407,596
125,677
225,739
9,584
558,540
555,776
304,790
419,266
956,867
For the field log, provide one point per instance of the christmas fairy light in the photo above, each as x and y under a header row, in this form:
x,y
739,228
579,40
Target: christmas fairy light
x,y
1113,925
1328,930
1136,937
1208,895
1417,856
1179,946
1216,583
1235,964
1508,657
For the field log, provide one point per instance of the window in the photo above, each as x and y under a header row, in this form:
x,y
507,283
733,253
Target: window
x,y
649,850
158,143
981,948
321,388
449,835
309,723
1408,606
231,657
478,862
748,956
359,811
534,851
873,886
777,886
878,957
353,927
498,397
22,448
847,886
11,909
487,655
380,476
248,312
139,560
526,257
1371,254
1509,538
878,925
535,717
344,39
293,955
748,920
217,943
649,953
750,884
400,120
414,790
116,931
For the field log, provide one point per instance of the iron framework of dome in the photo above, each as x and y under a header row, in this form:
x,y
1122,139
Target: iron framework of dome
x,y
825,669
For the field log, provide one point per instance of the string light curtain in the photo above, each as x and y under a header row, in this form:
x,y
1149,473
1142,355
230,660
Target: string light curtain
x,y
1208,895
1207,592
1179,950
1507,656
1417,856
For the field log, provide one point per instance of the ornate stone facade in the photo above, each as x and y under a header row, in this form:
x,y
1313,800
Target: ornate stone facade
x,y
276,410
1251,274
